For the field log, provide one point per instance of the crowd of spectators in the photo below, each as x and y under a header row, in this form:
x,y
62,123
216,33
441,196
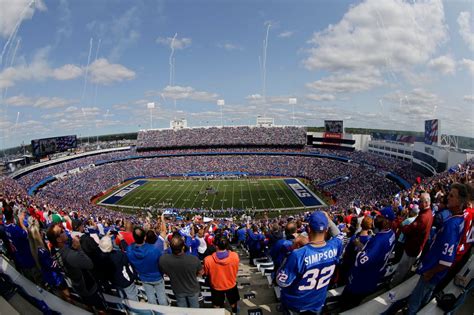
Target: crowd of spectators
x,y
40,236
77,189
222,136
366,182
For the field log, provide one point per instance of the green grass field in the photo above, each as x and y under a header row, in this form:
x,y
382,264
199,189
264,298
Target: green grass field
x,y
239,194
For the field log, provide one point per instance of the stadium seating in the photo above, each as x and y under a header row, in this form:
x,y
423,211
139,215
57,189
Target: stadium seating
x,y
223,136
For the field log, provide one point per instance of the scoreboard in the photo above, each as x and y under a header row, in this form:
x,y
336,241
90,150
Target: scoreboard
x,y
45,146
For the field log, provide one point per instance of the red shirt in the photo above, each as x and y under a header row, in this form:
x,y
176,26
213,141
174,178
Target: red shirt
x,y
467,236
417,233
127,237
348,219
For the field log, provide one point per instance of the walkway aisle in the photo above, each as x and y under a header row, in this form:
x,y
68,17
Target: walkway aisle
x,y
251,281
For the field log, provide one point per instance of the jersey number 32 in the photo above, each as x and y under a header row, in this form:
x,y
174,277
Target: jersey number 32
x,y
316,278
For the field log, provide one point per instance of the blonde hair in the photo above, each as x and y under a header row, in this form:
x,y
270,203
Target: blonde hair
x,y
36,240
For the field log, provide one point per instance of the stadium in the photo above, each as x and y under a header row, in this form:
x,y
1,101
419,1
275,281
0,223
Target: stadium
x,y
247,209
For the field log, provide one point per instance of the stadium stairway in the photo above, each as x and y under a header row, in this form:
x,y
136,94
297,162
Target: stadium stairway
x,y
255,288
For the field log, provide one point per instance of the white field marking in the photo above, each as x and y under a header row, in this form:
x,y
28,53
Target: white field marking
x,y
311,192
285,190
184,190
268,194
100,203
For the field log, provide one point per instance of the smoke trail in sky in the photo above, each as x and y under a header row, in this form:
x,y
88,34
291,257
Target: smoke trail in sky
x,y
381,107
171,60
10,38
265,47
17,119
12,60
96,56
87,69
15,30
16,122
163,97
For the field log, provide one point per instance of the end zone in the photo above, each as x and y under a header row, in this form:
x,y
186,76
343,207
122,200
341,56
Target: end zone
x,y
304,194
119,194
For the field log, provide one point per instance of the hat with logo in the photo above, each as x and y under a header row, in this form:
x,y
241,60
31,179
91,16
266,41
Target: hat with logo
x,y
318,221
388,213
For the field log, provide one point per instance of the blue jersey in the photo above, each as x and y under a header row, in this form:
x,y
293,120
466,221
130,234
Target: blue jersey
x,y
370,264
20,246
305,275
280,250
50,271
443,248
254,241
194,246
242,234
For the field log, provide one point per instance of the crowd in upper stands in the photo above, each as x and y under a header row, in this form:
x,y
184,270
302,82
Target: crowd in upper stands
x,y
223,136
39,234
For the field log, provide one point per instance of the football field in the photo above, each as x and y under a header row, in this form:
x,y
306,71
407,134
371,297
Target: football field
x,y
287,193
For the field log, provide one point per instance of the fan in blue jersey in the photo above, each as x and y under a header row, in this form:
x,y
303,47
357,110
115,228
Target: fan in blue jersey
x,y
255,240
18,237
282,248
305,275
442,253
370,264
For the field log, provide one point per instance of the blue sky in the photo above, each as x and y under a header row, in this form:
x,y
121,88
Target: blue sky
x,y
90,67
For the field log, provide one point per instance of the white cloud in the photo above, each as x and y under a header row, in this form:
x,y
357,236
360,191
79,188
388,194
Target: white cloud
x,y
38,102
285,34
320,97
74,118
178,43
257,99
415,105
14,12
67,72
121,107
103,72
38,70
229,46
348,82
253,97
465,29
373,39
189,93
377,33
469,98
443,64
469,64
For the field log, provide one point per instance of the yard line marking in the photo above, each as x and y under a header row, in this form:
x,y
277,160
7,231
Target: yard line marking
x,y
179,197
250,192
285,189
273,205
277,194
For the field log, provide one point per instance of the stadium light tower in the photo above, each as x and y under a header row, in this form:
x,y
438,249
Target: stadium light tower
x,y
221,103
292,101
151,106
